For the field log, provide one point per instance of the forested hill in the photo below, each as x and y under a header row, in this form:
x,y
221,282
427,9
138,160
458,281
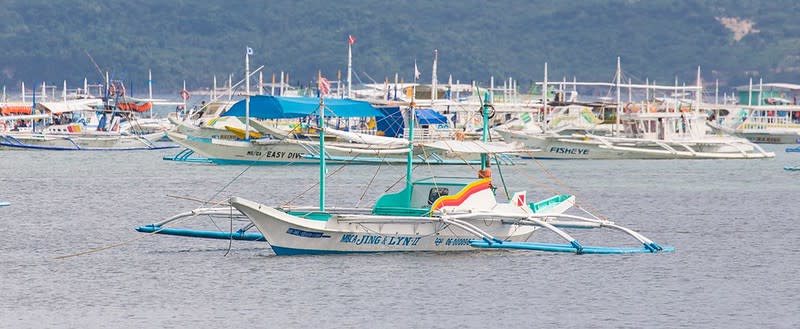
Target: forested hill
x,y
193,40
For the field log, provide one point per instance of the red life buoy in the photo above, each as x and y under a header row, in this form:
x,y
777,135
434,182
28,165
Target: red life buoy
x,y
112,90
184,94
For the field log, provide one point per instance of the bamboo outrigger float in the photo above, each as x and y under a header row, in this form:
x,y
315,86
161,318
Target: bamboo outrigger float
x,y
425,216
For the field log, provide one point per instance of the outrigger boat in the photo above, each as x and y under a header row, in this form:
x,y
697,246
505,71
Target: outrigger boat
x,y
84,128
641,131
765,115
4,204
425,216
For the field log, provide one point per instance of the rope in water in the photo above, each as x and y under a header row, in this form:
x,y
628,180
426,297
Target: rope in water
x,y
124,242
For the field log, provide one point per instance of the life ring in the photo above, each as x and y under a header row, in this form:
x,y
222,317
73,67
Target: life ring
x,y
184,94
112,90
3,126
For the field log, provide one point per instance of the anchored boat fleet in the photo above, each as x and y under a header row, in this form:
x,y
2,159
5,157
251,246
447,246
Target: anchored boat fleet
x,y
411,124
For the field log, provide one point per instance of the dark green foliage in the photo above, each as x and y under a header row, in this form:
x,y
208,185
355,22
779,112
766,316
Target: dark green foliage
x,y
193,40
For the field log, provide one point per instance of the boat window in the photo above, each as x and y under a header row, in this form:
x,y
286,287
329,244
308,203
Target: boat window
x,y
437,192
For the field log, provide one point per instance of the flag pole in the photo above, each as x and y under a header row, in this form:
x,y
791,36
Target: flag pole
x,y
321,129
247,94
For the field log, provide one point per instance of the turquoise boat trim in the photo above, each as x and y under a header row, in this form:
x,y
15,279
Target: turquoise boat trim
x,y
4,204
791,168
311,215
547,203
571,248
237,235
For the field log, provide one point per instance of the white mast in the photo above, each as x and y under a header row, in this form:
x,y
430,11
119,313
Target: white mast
x,y
247,93
108,85
349,66
150,85
44,90
214,89
260,82
698,94
85,86
280,90
750,93
272,87
64,92
630,91
23,91
619,105
434,93
760,90
544,99
230,86
185,110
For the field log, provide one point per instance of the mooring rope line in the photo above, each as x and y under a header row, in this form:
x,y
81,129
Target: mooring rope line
x,y
127,241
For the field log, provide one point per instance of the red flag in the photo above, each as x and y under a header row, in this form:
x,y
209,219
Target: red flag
x,y
324,86
351,40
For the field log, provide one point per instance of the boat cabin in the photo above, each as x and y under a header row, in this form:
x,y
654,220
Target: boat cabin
x,y
417,199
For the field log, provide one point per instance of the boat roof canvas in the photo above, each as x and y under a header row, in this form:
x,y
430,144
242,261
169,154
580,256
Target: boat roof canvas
x,y
68,106
779,85
278,107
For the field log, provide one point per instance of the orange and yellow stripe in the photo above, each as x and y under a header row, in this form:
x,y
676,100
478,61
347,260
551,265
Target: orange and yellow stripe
x,y
458,198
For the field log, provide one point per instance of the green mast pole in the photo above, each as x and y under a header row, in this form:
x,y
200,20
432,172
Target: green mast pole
x,y
485,136
321,150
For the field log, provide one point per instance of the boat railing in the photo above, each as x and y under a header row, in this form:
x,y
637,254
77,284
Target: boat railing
x,y
429,134
767,122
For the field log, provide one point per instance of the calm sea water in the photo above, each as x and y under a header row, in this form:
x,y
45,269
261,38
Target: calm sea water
x,y
733,223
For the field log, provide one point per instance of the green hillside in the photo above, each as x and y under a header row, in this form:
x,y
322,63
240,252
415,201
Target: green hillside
x,y
194,40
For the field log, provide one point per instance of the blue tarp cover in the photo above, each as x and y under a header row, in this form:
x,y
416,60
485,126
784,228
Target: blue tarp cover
x,y
277,107
430,117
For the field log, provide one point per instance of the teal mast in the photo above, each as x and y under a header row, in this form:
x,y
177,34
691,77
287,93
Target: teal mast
x,y
485,137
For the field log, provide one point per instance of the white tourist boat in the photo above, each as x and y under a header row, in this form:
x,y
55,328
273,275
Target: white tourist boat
x,y
642,131
767,115
87,130
430,214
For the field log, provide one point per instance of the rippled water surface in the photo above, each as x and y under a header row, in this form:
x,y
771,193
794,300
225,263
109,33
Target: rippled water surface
x,y
733,223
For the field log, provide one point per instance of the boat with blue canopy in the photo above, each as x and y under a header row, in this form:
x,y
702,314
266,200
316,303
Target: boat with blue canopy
x,y
260,143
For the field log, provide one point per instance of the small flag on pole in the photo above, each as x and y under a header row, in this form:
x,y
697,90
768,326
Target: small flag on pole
x,y
324,86
416,71
351,40
249,51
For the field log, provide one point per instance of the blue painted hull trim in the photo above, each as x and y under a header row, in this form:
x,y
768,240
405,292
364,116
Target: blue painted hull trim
x,y
238,235
56,148
571,248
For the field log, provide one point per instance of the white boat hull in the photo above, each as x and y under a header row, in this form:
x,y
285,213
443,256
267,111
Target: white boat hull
x,y
289,235
596,147
81,142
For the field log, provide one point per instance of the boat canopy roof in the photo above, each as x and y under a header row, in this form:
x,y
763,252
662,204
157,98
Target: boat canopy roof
x,y
789,86
430,117
68,106
278,107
